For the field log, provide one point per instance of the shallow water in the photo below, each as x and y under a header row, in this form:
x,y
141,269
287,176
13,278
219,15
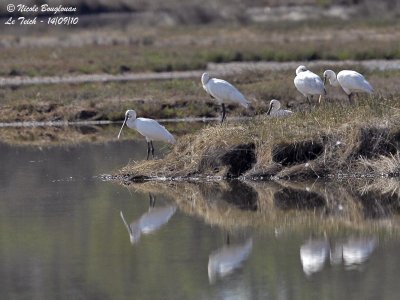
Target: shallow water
x,y
62,237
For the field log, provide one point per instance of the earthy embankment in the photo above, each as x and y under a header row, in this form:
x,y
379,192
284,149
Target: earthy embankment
x,y
285,206
330,141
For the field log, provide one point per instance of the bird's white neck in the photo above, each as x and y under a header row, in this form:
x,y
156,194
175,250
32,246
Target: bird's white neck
x,y
131,123
205,79
333,81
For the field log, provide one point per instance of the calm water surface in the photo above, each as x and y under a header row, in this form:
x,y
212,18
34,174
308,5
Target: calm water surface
x,y
62,237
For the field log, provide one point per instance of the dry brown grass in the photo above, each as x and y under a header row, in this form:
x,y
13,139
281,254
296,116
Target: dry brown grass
x,y
328,140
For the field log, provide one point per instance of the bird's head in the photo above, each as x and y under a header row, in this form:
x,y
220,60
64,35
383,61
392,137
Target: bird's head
x,y
300,69
205,78
330,75
130,115
273,105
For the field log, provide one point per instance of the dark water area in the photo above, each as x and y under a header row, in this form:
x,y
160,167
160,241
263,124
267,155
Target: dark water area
x,y
63,237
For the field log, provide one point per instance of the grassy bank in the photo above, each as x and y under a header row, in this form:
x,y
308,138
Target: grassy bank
x,y
329,140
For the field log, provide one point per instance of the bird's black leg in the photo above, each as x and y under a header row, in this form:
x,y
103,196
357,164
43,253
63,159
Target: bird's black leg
x,y
152,149
351,98
223,113
309,100
228,240
152,200
148,150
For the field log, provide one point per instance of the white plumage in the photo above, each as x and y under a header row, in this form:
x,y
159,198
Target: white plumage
x,y
223,92
149,128
350,81
308,83
149,222
225,260
276,111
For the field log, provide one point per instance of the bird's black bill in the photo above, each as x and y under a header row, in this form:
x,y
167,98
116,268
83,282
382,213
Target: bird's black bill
x,y
269,109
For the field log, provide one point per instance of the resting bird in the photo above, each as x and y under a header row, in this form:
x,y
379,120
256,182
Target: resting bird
x,y
308,83
350,81
149,128
276,111
223,92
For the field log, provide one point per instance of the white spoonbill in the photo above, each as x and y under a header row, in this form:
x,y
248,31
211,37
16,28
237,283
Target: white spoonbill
x,y
308,83
275,109
149,128
350,81
223,92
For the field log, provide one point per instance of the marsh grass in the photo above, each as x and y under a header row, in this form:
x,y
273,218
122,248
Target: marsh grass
x,y
285,147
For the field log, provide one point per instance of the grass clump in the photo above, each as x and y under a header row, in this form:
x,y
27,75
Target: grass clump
x,y
319,143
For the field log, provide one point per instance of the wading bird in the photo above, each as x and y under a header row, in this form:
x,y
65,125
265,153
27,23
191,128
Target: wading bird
x,y
276,111
149,128
223,92
308,83
350,81
150,221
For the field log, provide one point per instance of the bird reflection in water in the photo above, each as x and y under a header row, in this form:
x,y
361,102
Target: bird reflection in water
x,y
313,255
226,260
353,252
150,221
